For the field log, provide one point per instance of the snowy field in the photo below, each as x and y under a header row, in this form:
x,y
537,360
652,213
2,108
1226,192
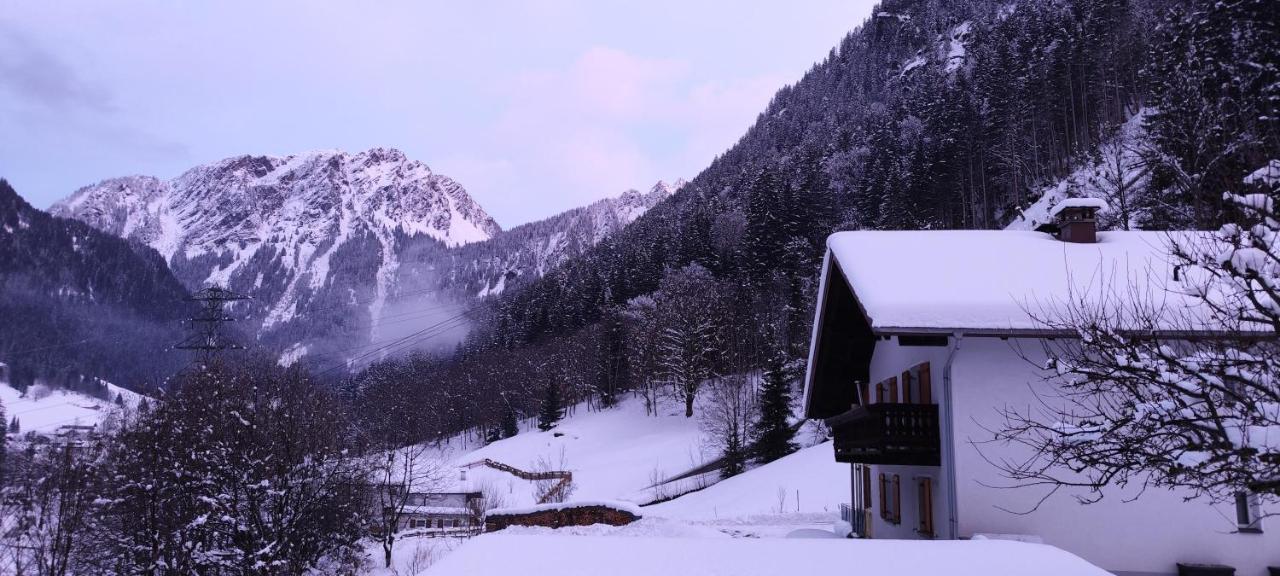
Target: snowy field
x,y
48,411
639,551
613,454
619,454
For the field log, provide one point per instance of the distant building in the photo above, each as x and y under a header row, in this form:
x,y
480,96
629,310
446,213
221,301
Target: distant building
x,y
443,512
921,337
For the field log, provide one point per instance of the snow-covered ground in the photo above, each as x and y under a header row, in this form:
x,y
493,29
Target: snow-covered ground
x,y
647,548
613,454
809,484
1118,160
46,414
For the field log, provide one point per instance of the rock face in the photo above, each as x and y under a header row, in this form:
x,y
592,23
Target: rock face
x,y
305,235
530,250
335,248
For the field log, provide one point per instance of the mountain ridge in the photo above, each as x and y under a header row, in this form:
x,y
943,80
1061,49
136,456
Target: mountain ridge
x,y
330,243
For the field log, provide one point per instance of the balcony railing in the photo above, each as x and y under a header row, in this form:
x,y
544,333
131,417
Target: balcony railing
x,y
888,434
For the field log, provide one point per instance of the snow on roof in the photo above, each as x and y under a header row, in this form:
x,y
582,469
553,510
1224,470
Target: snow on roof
x,y
437,510
502,554
999,280
1097,203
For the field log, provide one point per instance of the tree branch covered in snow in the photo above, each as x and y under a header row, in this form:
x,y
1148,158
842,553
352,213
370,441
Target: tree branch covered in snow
x,y
1157,395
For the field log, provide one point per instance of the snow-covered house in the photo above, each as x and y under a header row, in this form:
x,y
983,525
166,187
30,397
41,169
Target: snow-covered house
x,y
443,512
921,338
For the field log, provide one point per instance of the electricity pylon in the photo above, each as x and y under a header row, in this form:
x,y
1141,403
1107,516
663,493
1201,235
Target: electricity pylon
x,y
207,338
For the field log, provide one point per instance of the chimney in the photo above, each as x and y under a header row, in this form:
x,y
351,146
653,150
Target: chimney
x,y
1076,219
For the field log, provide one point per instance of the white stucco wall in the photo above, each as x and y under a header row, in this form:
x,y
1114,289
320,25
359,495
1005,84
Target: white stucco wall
x,y
890,359
1147,535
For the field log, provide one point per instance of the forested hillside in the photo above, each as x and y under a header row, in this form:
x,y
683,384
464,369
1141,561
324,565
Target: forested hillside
x,y
930,115
78,304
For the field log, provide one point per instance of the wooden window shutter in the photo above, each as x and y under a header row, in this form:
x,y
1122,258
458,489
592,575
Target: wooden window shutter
x,y
926,388
897,499
866,486
893,390
865,397
884,497
926,506
906,388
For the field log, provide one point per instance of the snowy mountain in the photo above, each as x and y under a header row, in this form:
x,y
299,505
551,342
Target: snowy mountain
x,y
333,247
531,250
303,234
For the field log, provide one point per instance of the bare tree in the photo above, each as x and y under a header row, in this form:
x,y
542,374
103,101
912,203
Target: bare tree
x,y
689,331
642,349
47,508
1121,177
553,482
1160,394
726,415
398,472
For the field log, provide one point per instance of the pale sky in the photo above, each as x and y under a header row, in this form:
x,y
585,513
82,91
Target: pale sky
x,y
535,107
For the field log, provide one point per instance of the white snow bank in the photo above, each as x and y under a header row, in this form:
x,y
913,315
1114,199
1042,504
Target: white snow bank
x,y
503,554
1004,280
615,504
808,481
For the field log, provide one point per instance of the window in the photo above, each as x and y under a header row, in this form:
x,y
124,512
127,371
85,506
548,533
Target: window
x,y
916,388
439,522
897,500
924,496
866,486
890,499
887,391
1248,512
924,394
884,497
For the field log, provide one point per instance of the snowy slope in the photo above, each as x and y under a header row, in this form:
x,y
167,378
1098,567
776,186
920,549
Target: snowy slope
x,y
1118,160
47,415
808,481
529,251
613,454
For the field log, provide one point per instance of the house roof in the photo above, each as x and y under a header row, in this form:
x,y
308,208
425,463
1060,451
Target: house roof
x,y
1003,281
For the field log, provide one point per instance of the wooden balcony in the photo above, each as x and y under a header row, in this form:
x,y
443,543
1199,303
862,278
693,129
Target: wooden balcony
x,y
906,434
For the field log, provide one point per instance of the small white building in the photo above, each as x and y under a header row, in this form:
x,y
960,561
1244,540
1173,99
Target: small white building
x,y
921,338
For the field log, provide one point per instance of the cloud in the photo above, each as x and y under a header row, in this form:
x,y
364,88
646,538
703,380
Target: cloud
x,y
36,76
607,121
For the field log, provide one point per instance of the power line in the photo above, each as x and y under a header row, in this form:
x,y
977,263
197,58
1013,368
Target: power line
x,y
409,340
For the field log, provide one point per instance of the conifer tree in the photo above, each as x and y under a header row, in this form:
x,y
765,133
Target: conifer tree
x,y
510,424
552,408
772,432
